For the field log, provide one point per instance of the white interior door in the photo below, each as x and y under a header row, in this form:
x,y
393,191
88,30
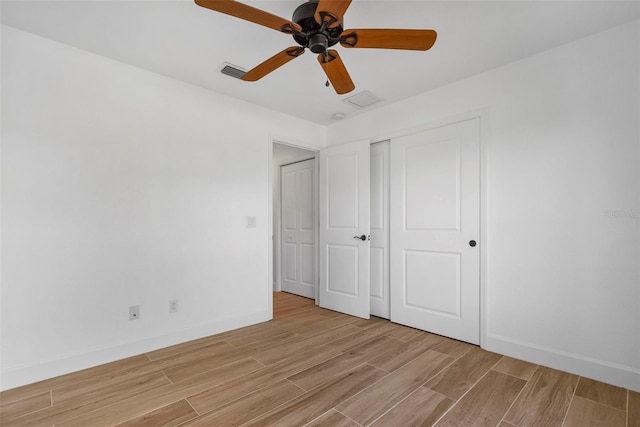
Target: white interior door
x,y
298,229
435,224
379,246
344,216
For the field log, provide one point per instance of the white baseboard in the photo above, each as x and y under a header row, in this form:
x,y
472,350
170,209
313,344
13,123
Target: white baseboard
x,y
610,373
28,374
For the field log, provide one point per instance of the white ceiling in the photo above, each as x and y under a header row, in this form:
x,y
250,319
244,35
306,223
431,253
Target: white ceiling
x,y
182,40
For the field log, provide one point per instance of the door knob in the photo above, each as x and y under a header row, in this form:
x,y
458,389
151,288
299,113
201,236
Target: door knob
x,y
472,243
363,237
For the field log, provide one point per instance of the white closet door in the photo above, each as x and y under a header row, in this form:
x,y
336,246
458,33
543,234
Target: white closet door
x,y
435,220
344,217
298,228
379,247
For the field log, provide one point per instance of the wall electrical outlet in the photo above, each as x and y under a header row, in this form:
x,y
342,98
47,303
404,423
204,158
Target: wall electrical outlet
x,y
134,312
173,306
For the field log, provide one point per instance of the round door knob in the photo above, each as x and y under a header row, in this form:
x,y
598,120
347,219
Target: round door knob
x,y
472,243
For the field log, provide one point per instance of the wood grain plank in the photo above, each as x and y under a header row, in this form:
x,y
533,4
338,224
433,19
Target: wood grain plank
x,y
633,409
297,318
359,338
310,330
390,361
252,330
334,334
326,371
185,370
183,347
464,373
486,403
250,336
368,323
18,408
94,400
274,355
605,394
220,395
516,368
337,366
177,362
454,348
544,400
406,333
422,408
109,369
375,401
584,412
127,409
250,406
333,418
172,415
312,404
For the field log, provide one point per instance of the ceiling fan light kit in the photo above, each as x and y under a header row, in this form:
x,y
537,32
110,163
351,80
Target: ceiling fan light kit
x,y
318,25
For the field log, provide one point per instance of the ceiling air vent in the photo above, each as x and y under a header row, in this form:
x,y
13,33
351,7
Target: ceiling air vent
x,y
233,71
362,99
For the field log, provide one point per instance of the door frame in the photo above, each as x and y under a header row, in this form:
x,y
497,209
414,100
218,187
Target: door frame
x,y
273,235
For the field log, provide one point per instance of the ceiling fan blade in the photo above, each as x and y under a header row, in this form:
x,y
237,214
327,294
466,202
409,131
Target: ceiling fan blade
x,y
336,71
273,63
389,39
249,13
331,12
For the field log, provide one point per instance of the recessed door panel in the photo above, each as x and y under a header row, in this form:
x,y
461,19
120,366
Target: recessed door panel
x,y
432,185
306,194
432,282
308,264
377,274
290,256
342,269
378,174
289,204
342,180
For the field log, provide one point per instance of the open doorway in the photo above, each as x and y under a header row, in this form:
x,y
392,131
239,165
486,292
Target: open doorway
x,y
295,220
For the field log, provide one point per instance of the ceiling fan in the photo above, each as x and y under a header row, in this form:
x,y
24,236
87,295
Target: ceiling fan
x,y
318,25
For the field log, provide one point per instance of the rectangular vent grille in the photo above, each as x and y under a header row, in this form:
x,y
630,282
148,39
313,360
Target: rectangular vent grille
x,y
233,71
362,99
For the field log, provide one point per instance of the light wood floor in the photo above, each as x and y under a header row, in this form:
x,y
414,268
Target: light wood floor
x,y
316,367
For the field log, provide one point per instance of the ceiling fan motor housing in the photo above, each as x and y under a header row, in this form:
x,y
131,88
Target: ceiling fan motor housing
x,y
313,36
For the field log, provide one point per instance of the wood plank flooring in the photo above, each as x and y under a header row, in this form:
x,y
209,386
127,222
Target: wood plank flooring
x,y
315,367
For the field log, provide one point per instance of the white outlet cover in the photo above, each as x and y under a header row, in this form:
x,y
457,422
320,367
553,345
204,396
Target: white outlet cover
x,y
251,222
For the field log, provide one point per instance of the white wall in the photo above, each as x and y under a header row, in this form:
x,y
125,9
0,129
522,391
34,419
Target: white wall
x,y
123,187
562,150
